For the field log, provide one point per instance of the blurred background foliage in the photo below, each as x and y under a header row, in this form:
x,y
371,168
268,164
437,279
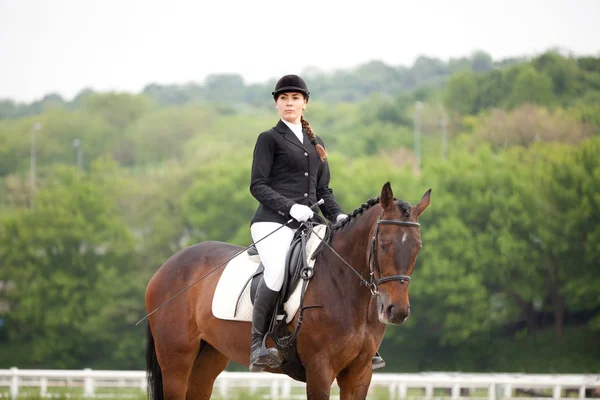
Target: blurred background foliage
x,y
508,278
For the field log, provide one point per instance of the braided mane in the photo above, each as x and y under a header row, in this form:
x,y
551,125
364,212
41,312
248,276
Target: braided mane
x,y
401,204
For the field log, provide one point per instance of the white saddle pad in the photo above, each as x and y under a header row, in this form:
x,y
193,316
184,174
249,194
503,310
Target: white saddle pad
x,y
238,271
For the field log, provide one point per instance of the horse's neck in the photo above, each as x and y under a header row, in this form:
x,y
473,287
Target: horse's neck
x,y
352,244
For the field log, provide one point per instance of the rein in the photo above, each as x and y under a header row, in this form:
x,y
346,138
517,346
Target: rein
x,y
373,283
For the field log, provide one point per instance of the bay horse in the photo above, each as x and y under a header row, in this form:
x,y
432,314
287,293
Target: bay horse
x,y
360,284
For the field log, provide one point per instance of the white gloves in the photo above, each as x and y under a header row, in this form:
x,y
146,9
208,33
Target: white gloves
x,y
301,213
340,217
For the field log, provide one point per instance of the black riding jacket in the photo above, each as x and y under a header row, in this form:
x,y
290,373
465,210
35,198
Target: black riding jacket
x,y
285,172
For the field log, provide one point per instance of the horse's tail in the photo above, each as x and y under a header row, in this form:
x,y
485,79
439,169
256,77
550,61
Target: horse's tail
x,y
155,383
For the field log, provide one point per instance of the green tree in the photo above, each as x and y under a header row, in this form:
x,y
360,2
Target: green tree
x,y
461,93
64,259
563,72
531,86
220,206
571,219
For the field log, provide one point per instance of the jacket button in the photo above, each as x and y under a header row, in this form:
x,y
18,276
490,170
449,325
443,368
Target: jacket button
x,y
306,174
305,154
305,194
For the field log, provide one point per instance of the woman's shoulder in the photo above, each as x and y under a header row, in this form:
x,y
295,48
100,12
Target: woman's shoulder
x,y
319,140
270,134
267,138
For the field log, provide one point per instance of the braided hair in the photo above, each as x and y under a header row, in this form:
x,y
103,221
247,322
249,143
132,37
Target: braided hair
x,y
313,139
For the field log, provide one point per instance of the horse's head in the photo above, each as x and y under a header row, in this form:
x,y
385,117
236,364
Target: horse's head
x,y
395,244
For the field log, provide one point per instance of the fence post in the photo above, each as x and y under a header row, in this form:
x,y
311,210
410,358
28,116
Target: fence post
x,y
43,387
275,389
557,390
455,393
392,389
429,391
223,386
14,383
144,384
402,390
88,383
492,391
508,391
286,390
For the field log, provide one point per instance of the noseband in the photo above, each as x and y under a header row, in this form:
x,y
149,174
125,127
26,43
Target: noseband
x,y
374,261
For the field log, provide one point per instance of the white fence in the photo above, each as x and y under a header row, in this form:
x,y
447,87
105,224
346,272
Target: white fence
x,y
91,383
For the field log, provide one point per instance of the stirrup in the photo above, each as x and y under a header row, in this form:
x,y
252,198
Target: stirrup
x,y
377,362
266,358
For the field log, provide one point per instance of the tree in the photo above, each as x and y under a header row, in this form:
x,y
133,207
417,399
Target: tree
x,y
571,220
226,88
70,261
481,61
528,124
531,87
220,206
461,93
563,72
118,109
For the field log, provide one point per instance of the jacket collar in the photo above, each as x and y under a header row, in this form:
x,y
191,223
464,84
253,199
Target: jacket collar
x,y
288,135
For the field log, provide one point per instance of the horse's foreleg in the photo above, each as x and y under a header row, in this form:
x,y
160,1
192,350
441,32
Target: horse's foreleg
x,y
319,379
208,365
354,381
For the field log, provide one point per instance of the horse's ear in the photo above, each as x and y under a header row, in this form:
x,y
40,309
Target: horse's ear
x,y
387,197
423,203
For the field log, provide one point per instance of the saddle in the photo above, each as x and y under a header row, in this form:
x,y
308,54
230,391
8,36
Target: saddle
x,y
293,266
296,269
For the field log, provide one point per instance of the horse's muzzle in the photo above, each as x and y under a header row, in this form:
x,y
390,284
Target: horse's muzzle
x,y
394,314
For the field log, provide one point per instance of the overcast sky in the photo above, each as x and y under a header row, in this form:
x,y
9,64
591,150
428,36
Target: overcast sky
x,y
66,46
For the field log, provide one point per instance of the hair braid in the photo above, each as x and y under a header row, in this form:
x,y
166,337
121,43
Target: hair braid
x,y
313,139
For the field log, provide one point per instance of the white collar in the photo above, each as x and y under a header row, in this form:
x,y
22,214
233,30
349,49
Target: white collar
x,y
297,129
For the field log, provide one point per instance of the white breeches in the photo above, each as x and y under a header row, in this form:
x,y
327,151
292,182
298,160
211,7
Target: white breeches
x,y
272,250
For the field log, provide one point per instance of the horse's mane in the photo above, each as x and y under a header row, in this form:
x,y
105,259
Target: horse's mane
x,y
401,204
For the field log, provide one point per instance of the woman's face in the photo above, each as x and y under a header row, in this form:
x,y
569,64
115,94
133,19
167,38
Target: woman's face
x,y
290,106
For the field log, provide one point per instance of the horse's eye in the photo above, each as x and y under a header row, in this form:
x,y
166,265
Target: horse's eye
x,y
382,245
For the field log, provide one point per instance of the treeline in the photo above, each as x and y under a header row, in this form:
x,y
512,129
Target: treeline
x,y
230,90
508,278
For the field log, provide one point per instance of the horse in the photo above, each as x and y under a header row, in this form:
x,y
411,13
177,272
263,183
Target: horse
x,y
360,284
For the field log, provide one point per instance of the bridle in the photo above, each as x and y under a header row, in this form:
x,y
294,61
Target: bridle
x,y
373,283
374,261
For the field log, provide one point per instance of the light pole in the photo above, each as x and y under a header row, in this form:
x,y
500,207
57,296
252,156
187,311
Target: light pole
x,y
36,127
417,144
444,124
77,145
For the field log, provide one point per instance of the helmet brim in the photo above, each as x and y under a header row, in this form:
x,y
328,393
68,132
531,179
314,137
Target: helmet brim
x,y
293,89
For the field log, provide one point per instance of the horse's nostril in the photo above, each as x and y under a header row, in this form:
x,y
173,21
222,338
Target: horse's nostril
x,y
390,310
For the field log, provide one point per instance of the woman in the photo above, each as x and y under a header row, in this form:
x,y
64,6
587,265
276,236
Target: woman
x,y
289,174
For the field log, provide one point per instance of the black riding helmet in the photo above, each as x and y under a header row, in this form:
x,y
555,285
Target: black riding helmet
x,y
291,83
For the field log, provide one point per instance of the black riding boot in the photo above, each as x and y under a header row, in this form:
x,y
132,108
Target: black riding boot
x,y
377,362
260,356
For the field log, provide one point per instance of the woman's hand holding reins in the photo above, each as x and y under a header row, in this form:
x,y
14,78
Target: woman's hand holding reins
x,y
341,217
301,213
